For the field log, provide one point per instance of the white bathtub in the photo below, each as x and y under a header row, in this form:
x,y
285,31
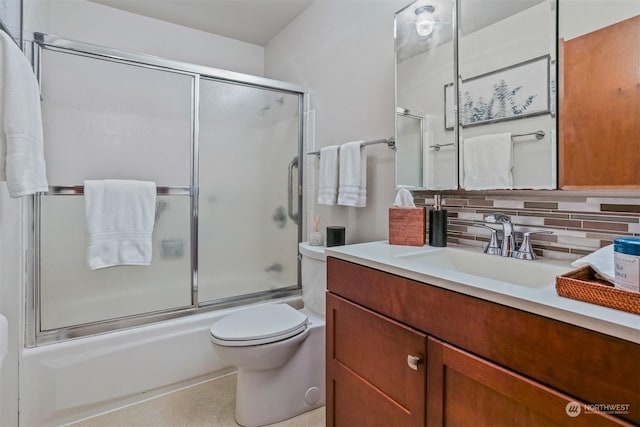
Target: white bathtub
x,y
65,382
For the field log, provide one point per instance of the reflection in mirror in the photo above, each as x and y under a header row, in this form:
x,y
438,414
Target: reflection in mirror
x,y
599,93
409,149
506,58
424,65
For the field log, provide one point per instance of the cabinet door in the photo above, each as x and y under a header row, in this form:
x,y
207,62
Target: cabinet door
x,y
599,108
369,378
465,390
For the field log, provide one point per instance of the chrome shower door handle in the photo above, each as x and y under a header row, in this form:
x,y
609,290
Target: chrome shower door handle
x,y
294,216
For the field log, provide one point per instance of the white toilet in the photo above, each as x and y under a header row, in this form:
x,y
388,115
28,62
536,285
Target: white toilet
x,y
279,351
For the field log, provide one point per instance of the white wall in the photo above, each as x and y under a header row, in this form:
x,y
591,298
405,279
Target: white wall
x,y
98,24
578,17
344,52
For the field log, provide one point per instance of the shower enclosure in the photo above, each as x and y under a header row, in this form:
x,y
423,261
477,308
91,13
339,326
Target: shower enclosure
x,y
222,148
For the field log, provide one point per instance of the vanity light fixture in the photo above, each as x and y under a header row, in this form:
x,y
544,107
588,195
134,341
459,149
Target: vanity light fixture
x,y
424,19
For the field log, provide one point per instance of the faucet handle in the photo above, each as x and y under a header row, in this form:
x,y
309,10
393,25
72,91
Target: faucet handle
x,y
497,218
493,247
525,251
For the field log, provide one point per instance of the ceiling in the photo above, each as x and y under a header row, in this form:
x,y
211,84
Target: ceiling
x,y
252,21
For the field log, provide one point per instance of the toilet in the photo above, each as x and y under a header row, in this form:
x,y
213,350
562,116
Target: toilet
x,y
279,351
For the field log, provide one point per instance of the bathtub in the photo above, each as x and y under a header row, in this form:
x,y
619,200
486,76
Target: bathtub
x,y
68,381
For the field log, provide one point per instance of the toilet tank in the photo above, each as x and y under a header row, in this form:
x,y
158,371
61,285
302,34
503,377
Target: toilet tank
x,y
314,277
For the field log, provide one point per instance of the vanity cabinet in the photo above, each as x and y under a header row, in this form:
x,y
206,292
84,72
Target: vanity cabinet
x,y
476,362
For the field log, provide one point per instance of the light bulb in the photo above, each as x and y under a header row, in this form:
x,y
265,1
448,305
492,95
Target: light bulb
x,y
424,24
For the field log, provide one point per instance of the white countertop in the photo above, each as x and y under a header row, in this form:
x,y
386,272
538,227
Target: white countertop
x,y
542,300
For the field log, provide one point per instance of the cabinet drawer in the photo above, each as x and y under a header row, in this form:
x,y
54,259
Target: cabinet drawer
x,y
369,353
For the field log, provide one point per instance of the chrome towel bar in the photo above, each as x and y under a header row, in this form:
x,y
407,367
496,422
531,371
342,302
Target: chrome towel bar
x,y
391,142
539,134
78,190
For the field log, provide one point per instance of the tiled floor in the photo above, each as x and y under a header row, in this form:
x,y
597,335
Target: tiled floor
x,y
210,404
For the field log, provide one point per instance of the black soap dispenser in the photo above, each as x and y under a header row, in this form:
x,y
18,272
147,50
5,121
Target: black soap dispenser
x,y
437,224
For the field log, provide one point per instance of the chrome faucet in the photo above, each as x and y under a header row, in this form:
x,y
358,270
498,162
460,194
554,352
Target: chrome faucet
x,y
493,247
525,251
508,242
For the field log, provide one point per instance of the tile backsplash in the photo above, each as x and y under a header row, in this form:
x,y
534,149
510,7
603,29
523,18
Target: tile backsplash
x,y
581,221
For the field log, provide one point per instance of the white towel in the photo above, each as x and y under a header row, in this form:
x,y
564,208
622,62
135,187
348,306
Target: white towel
x,y
120,217
352,189
488,161
602,262
21,152
328,175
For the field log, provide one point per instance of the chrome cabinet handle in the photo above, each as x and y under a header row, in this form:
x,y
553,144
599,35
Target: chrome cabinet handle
x,y
413,361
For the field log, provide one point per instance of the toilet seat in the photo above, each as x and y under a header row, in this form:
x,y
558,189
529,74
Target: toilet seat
x,y
258,325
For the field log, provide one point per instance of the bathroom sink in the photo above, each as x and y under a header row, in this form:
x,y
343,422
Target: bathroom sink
x,y
531,274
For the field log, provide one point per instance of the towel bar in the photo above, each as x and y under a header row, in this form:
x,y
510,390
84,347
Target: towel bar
x,y
391,142
78,190
539,134
437,147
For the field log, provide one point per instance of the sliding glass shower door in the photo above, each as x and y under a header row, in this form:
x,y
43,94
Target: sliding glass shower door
x,y
222,148
247,231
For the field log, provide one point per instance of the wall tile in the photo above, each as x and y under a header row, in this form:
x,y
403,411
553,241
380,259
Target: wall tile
x,y
541,205
629,219
619,208
624,228
580,223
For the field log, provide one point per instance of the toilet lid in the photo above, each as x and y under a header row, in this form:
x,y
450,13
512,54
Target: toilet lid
x,y
259,325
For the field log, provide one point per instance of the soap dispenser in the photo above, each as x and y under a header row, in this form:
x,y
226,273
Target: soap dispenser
x,y
437,224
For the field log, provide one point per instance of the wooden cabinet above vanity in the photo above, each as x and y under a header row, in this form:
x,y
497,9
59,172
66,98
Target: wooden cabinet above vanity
x,y
403,352
599,101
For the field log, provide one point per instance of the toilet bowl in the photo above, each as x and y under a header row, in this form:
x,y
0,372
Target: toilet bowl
x,y
279,351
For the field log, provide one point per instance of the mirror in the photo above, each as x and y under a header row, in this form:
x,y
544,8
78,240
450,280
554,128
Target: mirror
x,y
424,65
506,85
599,94
409,131
506,54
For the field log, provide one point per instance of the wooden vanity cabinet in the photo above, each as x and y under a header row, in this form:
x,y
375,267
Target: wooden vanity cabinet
x,y
485,365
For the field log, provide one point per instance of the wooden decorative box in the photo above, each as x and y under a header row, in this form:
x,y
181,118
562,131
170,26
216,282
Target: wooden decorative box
x,y
582,284
407,226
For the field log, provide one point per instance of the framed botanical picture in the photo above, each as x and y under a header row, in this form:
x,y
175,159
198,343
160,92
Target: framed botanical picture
x,y
11,19
509,93
449,103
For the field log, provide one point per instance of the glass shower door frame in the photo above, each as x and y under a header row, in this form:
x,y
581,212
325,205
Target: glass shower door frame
x,y
34,333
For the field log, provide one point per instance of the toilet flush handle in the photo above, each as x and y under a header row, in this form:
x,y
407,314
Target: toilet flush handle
x,y
413,361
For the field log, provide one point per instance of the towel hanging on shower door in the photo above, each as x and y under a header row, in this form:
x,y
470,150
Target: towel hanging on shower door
x,y
120,217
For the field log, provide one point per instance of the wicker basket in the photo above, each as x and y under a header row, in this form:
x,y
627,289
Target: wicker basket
x,y
582,284
407,226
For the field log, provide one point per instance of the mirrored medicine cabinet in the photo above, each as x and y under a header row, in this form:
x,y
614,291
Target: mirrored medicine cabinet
x,y
504,54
